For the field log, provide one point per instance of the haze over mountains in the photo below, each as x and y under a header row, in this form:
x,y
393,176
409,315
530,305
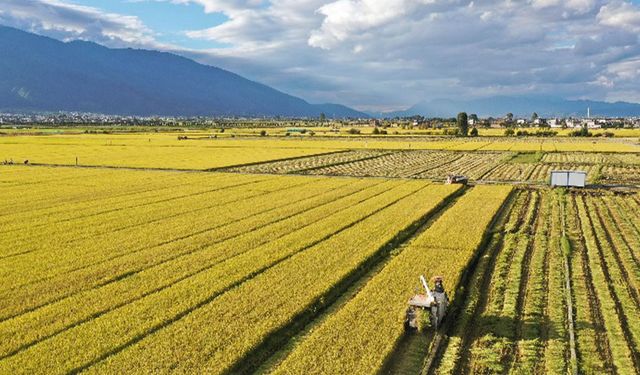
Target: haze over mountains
x,y
520,106
40,74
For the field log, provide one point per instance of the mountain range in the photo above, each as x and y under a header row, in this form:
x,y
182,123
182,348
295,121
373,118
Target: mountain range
x,y
520,106
40,74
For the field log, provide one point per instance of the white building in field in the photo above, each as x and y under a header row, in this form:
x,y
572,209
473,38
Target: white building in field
x,y
568,178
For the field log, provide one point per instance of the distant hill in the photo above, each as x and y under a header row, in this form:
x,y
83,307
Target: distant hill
x,y
42,74
498,106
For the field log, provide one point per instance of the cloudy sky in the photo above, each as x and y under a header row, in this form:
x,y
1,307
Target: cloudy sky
x,y
374,54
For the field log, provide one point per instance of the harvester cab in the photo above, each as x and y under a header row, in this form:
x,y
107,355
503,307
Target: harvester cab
x,y
456,179
433,303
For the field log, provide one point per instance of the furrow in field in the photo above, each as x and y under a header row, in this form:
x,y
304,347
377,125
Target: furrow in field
x,y
21,332
70,233
626,292
85,209
555,333
614,320
47,195
141,233
362,336
456,351
136,322
253,221
594,351
492,344
529,328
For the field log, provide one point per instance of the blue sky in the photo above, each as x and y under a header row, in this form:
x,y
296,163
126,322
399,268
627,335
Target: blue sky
x,y
169,20
375,55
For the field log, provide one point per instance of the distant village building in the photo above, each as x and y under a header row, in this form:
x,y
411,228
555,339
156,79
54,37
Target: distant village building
x,y
539,121
571,123
591,124
554,123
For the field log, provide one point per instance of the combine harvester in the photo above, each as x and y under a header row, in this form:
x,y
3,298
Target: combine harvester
x,y
456,179
434,303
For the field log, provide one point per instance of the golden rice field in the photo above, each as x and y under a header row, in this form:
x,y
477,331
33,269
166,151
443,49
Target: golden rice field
x,y
101,266
482,166
165,151
275,128
288,258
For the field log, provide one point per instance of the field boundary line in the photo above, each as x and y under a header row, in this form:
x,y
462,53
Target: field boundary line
x,y
352,290
566,253
208,300
523,287
457,306
153,221
621,317
615,251
196,249
277,339
222,169
147,203
372,157
595,308
186,276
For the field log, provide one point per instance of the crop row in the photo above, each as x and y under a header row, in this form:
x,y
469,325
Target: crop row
x,y
515,317
248,216
621,174
421,164
165,151
63,252
541,172
454,353
308,163
192,326
472,165
271,243
606,291
83,188
359,337
591,158
88,185
485,165
178,156
507,322
417,164
117,213
496,341
396,164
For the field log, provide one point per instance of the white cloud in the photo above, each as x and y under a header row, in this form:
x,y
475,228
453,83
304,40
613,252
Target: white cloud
x,y
71,21
620,14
